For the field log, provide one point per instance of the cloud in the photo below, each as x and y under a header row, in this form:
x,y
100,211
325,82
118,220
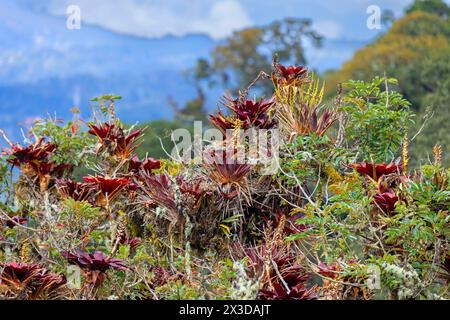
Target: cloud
x,y
217,18
224,17
329,29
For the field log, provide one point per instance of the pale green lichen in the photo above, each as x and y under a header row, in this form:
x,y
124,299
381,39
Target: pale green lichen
x,y
243,287
404,281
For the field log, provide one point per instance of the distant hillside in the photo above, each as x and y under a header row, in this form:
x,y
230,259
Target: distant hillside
x,y
416,50
48,68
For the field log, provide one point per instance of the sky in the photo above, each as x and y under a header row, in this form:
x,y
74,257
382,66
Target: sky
x,y
219,18
122,45
343,23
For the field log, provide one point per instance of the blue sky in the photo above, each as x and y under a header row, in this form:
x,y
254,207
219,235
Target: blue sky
x,y
35,27
121,48
342,23
218,18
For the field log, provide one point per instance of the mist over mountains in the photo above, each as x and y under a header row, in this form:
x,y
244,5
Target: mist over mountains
x,y
46,68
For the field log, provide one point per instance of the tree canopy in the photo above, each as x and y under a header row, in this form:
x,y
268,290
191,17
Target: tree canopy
x,y
416,50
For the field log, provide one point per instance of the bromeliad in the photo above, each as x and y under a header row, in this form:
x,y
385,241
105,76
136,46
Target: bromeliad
x,y
38,151
148,165
109,188
290,75
95,265
246,114
113,138
375,171
76,190
299,109
228,172
386,201
30,281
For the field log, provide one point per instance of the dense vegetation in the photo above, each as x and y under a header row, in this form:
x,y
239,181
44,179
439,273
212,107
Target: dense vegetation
x,y
342,217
